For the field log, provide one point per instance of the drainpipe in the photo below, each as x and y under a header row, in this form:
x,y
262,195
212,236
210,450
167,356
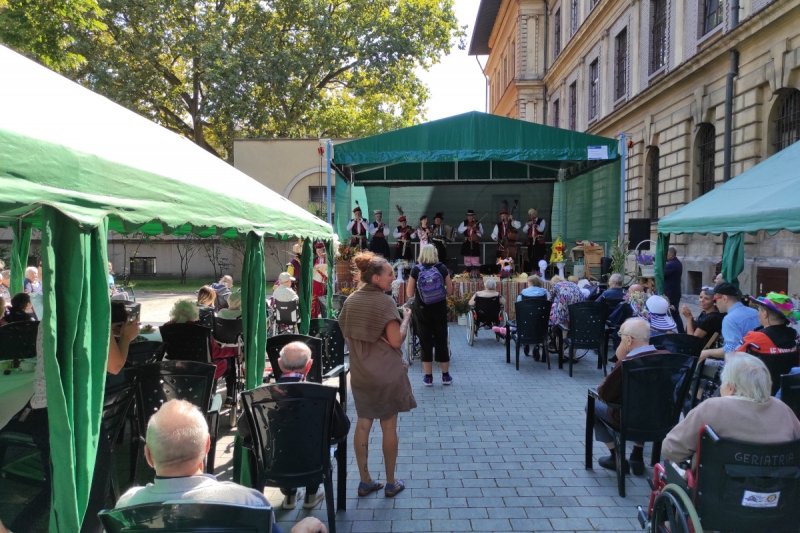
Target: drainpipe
x,y
734,13
728,136
546,24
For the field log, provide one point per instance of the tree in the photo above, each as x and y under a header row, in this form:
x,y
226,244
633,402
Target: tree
x,y
135,240
266,68
187,246
212,246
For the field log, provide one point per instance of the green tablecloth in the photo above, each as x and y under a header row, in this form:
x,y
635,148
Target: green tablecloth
x,y
15,391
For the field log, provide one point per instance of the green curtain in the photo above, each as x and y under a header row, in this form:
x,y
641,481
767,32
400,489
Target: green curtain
x,y
19,256
306,274
733,258
662,245
76,327
329,251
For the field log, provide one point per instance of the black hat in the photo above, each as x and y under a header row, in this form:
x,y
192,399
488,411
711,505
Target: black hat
x,y
439,215
727,289
470,212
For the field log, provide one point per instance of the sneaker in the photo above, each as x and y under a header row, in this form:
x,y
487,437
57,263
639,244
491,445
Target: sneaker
x,y
427,381
311,500
447,379
609,462
290,501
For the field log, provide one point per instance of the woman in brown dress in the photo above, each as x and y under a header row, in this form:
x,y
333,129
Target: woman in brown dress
x,y
378,377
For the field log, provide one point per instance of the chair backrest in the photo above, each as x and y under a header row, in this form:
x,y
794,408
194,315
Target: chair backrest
x,y
487,309
747,487
286,312
291,428
228,331
679,343
778,364
323,306
332,342
116,403
187,342
275,345
188,517
533,320
653,389
587,324
142,353
337,301
790,392
18,340
169,380
206,316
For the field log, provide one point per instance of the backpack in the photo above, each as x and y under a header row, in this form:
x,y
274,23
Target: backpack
x,y
430,285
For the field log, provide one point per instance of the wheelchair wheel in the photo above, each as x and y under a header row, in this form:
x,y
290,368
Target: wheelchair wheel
x,y
470,329
671,513
409,344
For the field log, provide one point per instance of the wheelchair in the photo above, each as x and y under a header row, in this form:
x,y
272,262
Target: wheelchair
x,y
486,313
283,318
735,486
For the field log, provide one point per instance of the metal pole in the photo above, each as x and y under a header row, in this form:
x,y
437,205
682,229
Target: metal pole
x,y
328,148
624,155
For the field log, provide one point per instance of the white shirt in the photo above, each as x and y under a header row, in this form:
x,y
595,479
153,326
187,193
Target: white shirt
x,y
364,226
285,294
462,228
539,227
496,231
373,227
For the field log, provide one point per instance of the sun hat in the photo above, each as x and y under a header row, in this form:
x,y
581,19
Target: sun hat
x,y
283,277
658,311
779,304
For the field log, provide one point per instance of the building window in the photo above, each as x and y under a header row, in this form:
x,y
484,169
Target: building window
x,y
574,15
706,143
556,114
712,14
787,125
319,194
505,71
594,81
652,179
621,65
556,33
143,266
594,3
658,34
513,62
573,106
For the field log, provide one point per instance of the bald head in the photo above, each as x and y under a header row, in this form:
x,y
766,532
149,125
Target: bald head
x,y
177,438
638,329
295,357
635,288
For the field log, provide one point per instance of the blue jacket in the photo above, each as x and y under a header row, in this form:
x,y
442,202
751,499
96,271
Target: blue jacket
x,y
673,271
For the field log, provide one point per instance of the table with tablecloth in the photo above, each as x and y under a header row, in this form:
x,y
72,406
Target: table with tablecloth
x,y
15,391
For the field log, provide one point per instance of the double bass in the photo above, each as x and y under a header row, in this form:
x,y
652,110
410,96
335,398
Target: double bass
x,y
508,245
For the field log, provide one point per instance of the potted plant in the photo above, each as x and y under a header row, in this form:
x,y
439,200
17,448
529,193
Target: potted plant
x,y
646,264
618,254
344,266
459,306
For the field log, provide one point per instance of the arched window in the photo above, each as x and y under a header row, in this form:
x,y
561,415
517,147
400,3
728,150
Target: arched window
x,y
651,168
787,123
706,150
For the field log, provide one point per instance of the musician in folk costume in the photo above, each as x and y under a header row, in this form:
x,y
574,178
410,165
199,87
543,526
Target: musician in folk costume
x,y
404,234
378,230
293,266
359,230
534,229
319,287
440,234
470,249
424,231
500,231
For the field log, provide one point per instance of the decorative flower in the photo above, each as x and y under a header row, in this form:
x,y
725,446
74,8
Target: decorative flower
x,y
645,259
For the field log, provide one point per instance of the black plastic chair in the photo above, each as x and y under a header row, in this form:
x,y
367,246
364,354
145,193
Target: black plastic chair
x,y
146,352
532,323
679,343
487,311
290,424
206,316
117,403
182,380
229,334
337,302
587,331
187,342
653,388
333,352
790,392
778,364
189,517
18,340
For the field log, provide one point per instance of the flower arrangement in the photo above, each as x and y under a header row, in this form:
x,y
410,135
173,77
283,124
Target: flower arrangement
x,y
345,252
459,304
347,290
645,259
558,251
464,276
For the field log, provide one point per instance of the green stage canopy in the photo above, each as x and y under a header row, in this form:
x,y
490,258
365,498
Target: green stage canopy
x,y
766,197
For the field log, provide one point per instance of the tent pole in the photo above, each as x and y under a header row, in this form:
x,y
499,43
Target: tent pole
x,y
328,148
624,153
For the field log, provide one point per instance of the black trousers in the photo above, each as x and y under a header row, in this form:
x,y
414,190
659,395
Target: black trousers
x,y
430,326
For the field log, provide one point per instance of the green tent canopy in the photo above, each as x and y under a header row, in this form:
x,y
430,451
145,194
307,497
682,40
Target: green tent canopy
x,y
766,197
76,165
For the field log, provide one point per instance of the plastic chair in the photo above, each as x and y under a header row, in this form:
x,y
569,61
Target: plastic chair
x,y
290,424
276,344
679,343
228,334
142,353
117,403
187,342
486,311
778,364
189,517
587,331
18,340
333,352
790,392
183,380
337,302
532,323
653,388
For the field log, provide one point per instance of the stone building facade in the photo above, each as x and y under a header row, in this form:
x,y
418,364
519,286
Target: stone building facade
x,y
657,70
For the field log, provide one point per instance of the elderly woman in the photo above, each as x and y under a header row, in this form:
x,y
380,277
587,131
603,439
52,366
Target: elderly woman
x,y
563,294
234,309
489,291
31,284
5,281
744,411
656,312
709,321
535,289
378,377
185,311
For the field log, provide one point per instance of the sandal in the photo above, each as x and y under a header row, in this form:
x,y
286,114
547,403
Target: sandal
x,y
365,489
390,491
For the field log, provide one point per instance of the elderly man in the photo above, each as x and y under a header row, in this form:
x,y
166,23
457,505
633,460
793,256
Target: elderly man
x,y
673,271
758,419
738,321
635,343
176,446
284,291
614,293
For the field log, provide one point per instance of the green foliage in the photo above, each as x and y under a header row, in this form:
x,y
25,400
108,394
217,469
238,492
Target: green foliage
x,y
212,71
619,254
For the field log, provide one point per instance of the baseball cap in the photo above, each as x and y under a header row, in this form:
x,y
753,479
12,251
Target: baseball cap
x,y
284,277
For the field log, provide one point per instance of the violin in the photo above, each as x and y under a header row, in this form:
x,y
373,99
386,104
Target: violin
x,y
508,246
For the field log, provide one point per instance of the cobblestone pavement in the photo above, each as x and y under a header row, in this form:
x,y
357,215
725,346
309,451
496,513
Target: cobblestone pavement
x,y
499,450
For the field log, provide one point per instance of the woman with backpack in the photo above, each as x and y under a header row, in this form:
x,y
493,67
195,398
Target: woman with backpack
x,y
429,283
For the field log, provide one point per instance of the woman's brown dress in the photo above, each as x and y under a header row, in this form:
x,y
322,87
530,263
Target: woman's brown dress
x,y
378,377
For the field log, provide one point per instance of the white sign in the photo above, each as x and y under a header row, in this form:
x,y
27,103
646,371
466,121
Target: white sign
x,y
760,499
598,152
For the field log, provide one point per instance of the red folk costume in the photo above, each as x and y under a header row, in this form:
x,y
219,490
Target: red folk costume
x,y
319,286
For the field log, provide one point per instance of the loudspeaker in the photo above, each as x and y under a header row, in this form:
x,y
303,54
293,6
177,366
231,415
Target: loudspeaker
x,y
638,231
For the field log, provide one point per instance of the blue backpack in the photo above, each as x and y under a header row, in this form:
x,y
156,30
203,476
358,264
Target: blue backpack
x,y
430,285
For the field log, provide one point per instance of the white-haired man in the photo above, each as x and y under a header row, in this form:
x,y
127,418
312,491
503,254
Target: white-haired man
x,y
634,343
489,291
284,292
176,446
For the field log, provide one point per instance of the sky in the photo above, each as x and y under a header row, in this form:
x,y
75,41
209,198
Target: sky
x,y
456,83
